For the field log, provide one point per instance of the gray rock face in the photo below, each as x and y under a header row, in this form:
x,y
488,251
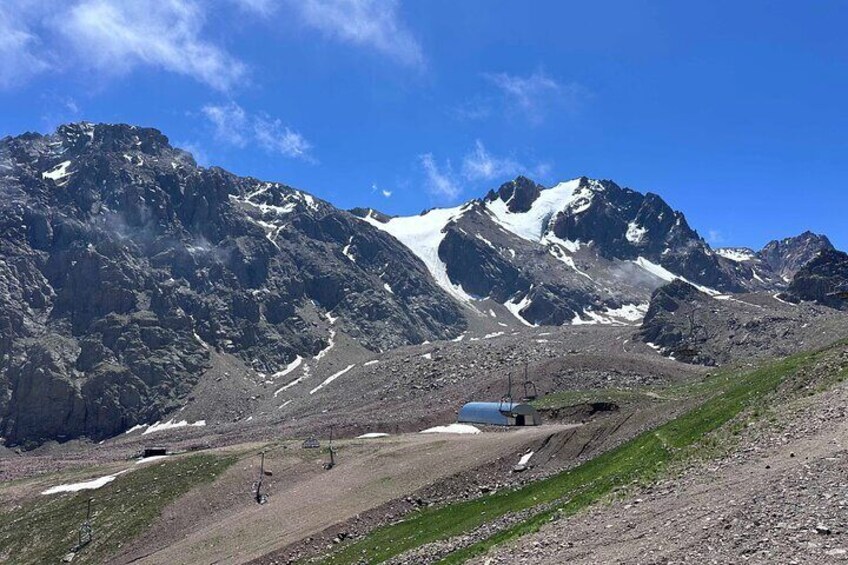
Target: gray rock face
x,y
787,256
122,263
823,280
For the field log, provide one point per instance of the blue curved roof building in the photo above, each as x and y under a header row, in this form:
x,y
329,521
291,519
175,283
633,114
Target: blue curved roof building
x,y
499,414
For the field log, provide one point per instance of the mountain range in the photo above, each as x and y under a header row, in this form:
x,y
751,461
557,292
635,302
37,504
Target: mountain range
x,y
127,272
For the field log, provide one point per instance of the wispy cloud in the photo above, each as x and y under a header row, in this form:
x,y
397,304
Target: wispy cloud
x,y
259,7
375,24
117,35
716,237
21,54
479,164
112,37
275,137
440,181
533,95
232,125
384,192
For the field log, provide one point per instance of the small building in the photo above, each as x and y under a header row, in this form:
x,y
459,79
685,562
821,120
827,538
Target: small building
x,y
499,414
154,451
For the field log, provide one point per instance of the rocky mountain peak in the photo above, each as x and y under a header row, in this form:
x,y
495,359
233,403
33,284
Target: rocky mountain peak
x,y
787,256
518,194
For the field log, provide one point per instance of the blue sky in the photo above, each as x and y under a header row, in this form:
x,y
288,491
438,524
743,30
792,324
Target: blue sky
x,y
734,112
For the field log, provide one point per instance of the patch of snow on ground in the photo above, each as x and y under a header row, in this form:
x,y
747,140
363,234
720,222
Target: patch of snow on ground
x,y
492,335
151,459
388,288
331,343
289,368
422,235
459,338
629,312
295,382
452,429
372,435
58,172
85,485
525,459
170,425
331,378
135,428
372,362
427,356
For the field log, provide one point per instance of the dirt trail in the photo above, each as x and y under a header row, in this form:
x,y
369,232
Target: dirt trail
x,y
225,526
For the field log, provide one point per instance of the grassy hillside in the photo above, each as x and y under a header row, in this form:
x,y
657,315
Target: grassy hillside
x,y
642,459
46,529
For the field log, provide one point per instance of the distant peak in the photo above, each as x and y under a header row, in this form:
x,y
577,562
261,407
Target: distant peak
x,y
518,194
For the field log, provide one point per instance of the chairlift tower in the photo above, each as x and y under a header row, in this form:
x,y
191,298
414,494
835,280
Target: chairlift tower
x,y
86,532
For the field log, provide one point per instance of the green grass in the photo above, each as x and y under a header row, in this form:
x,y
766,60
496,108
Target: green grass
x,y
565,399
45,529
639,460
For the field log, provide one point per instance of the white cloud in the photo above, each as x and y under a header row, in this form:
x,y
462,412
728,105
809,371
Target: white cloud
x,y
231,124
274,137
20,49
384,192
111,37
368,23
115,36
260,7
715,237
479,164
440,182
532,95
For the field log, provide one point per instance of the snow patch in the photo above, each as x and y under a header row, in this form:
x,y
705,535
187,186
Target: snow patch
x,y
569,197
295,382
289,368
330,344
171,424
738,255
85,485
635,233
58,172
515,308
331,378
372,435
452,429
422,235
666,275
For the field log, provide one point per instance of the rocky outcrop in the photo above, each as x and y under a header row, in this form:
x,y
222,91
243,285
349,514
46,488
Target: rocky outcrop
x,y
787,256
123,265
823,280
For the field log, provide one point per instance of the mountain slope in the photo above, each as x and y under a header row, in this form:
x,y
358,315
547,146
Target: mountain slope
x,y
123,264
583,251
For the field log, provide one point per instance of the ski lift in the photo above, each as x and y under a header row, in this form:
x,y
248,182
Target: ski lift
x,y
332,462
86,532
258,495
530,392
